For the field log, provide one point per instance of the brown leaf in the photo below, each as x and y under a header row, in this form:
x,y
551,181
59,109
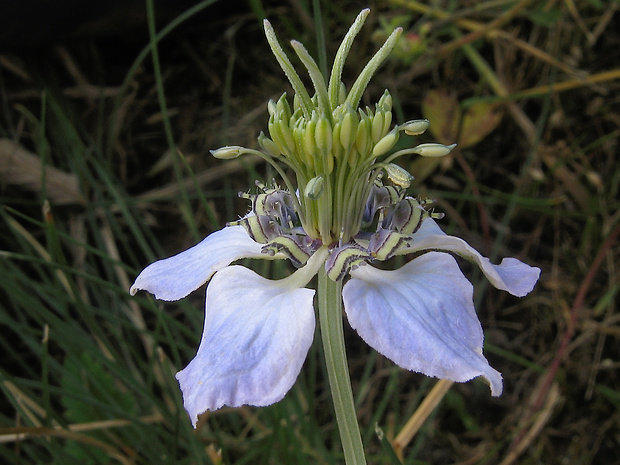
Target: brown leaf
x,y
444,114
20,167
478,122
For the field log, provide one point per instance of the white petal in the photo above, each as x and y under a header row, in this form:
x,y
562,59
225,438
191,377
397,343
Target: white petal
x,y
510,275
422,317
256,336
175,277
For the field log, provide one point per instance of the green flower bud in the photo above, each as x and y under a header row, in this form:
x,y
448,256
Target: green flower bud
x,y
385,102
287,137
337,148
348,129
271,107
330,162
387,122
353,156
277,137
415,127
299,134
297,114
315,187
323,135
342,93
228,153
296,102
433,150
309,141
398,175
363,136
283,108
377,126
386,143
268,145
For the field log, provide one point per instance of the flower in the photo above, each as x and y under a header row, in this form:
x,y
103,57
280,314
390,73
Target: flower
x,y
342,216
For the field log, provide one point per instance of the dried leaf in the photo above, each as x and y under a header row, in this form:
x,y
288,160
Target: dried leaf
x,y
444,114
478,122
20,167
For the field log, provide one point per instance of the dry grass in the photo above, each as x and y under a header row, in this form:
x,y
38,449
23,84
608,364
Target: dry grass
x,y
91,192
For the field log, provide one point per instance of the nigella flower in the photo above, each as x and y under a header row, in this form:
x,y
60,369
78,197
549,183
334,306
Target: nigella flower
x,y
347,210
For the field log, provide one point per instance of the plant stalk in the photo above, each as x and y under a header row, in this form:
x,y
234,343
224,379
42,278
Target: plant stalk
x,y
330,321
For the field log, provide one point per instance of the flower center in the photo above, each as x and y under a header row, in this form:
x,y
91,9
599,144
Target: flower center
x,y
336,153
388,221
334,159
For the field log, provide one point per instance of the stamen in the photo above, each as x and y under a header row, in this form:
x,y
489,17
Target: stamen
x,y
408,215
261,228
398,175
344,259
289,247
384,244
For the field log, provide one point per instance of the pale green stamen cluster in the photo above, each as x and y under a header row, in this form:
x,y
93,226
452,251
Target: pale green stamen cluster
x,y
335,149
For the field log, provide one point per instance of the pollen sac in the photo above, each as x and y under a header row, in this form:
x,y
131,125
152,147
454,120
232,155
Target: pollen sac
x,y
271,107
398,175
315,187
228,153
323,135
433,150
415,127
385,102
277,136
386,143
286,135
348,128
282,108
309,141
377,126
337,148
268,145
363,138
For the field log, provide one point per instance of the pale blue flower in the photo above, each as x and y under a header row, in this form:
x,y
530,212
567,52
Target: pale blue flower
x,y
257,331
339,214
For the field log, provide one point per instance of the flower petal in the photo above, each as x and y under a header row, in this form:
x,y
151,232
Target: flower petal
x,y
175,277
256,336
422,317
510,275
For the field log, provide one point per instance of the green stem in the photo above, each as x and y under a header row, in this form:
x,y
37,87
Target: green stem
x,y
330,320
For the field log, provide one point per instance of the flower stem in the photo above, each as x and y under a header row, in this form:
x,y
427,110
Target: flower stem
x,y
330,320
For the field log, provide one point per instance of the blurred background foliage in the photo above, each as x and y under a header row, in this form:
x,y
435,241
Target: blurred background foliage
x,y
104,167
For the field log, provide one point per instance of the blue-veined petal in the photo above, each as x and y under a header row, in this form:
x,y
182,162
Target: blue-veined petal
x,y
256,336
422,317
175,277
510,275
